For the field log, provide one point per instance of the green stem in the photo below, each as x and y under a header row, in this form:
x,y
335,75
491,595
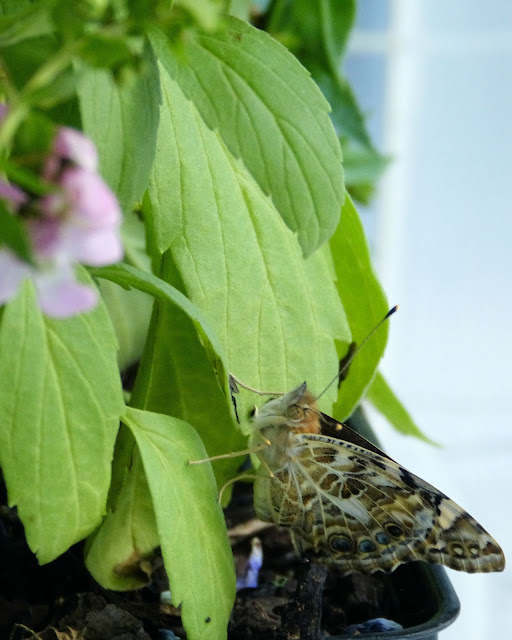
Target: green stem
x,y
44,76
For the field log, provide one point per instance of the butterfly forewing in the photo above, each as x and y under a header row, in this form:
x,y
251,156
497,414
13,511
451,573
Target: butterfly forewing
x,y
350,506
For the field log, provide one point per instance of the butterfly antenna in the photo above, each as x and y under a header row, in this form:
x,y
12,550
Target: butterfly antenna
x,y
351,356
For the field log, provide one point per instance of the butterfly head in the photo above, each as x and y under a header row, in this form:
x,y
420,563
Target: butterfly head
x,y
294,411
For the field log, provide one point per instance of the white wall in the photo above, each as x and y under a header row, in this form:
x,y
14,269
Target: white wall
x,y
443,247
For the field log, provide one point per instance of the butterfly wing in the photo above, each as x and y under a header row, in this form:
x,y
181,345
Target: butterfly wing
x,y
357,510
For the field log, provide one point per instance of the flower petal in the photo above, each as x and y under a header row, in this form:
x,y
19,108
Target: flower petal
x,y
91,200
73,145
59,295
46,237
96,247
13,194
12,273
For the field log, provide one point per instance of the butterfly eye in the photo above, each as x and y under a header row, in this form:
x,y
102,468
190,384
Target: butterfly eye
x,y
295,412
253,412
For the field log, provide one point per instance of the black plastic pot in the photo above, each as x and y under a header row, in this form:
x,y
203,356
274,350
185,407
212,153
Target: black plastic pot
x,y
424,601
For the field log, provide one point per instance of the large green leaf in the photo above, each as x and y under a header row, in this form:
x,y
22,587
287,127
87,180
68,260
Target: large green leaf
x,y
176,377
127,276
183,371
122,121
275,313
269,113
60,402
190,522
365,305
317,32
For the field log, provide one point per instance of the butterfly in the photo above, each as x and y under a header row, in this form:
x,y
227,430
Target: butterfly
x,y
348,505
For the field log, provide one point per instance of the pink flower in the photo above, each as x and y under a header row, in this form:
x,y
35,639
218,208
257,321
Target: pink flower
x,y
87,217
71,144
80,223
58,293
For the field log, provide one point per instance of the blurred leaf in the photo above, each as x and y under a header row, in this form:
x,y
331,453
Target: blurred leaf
x,y
346,115
103,51
25,179
383,398
60,402
195,548
14,233
13,6
275,314
321,28
207,13
363,167
365,305
22,21
34,139
122,121
270,114
22,59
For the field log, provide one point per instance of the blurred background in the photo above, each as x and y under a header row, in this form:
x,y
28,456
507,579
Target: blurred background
x,y
435,82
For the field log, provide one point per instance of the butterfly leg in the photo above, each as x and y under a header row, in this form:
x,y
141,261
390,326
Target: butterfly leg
x,y
236,381
233,454
232,481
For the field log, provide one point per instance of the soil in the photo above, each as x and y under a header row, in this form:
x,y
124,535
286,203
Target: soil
x,y
295,598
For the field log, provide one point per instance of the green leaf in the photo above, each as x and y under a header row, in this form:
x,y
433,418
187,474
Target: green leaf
x,y
29,22
60,402
176,377
365,305
130,311
319,33
128,276
363,167
122,121
105,51
275,314
116,552
269,113
383,398
346,115
14,233
191,526
321,28
25,179
206,12
25,57
183,371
